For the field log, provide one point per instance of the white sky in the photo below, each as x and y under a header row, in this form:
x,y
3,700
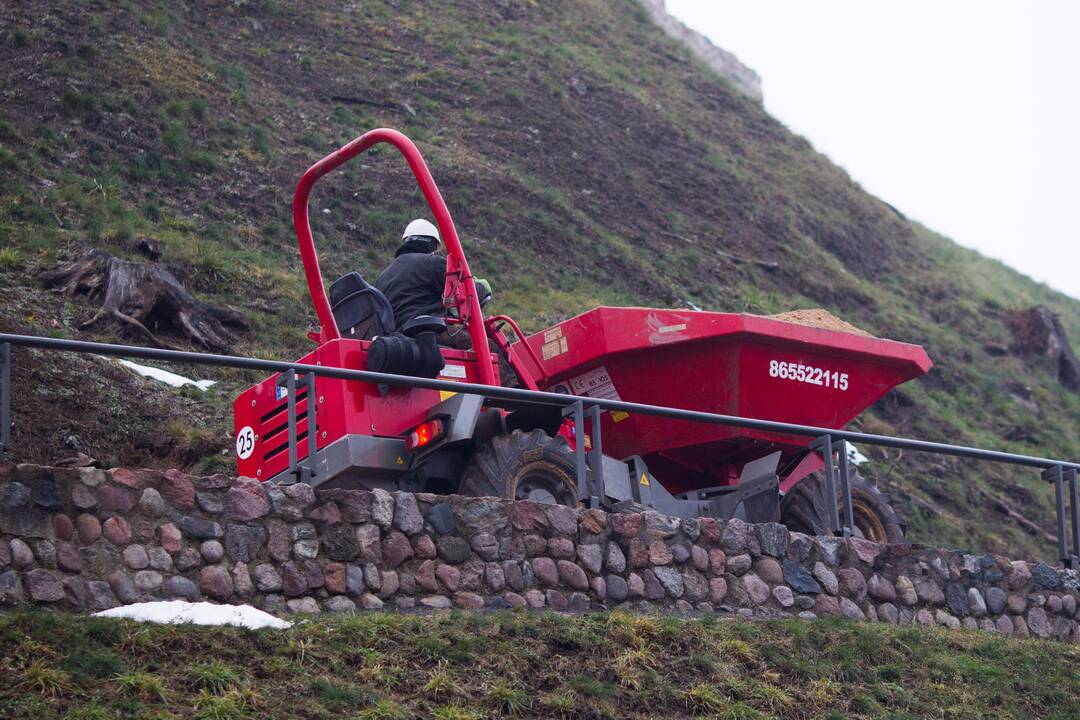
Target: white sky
x,y
964,114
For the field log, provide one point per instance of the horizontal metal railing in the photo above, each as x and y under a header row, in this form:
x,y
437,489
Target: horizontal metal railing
x,y
1059,472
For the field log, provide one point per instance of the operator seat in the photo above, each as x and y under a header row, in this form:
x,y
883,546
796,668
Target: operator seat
x,y
362,312
360,309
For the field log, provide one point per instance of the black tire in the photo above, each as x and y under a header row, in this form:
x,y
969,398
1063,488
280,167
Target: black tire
x,y
803,509
523,465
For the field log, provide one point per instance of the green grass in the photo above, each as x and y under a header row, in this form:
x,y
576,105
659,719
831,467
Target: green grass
x,y
527,665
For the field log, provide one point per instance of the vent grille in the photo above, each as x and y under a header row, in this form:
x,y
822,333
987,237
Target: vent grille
x,y
274,426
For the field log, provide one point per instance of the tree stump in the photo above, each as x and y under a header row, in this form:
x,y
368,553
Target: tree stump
x,y
144,298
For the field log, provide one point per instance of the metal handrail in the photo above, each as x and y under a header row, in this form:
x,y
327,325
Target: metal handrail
x,y
1057,471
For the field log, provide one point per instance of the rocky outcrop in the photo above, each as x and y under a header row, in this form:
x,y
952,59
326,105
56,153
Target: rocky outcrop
x,y
723,62
1038,331
294,550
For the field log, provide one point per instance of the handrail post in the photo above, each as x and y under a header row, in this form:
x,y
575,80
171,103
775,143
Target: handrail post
x,y
1056,475
845,489
312,429
577,412
5,398
597,492
824,445
1074,505
290,392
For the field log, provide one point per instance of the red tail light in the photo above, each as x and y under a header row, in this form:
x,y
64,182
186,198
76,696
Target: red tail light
x,y
424,434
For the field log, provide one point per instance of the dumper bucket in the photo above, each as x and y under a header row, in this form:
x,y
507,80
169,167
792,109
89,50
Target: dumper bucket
x,y
728,363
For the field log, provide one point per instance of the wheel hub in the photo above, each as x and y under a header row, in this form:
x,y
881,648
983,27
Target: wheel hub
x,y
537,494
537,488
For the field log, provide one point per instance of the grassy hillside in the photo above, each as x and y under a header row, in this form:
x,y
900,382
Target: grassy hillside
x,y
586,157
455,667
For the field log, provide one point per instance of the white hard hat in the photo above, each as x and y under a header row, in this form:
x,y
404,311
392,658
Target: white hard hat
x,y
421,227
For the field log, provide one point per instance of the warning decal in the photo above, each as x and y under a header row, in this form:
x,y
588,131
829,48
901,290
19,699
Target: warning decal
x,y
554,343
453,371
595,383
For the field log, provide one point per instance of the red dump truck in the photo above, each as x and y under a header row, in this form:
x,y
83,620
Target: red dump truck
x,y
360,434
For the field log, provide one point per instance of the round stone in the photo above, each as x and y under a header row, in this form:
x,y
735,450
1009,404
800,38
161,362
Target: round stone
x,y
215,582
82,497
905,591
371,602
151,504
573,575
769,570
212,551
63,528
179,586
136,557
545,571
68,558
453,549
303,606
21,554
117,530
616,588
738,564
880,589
160,559
170,538
756,588
784,596
88,528
267,578
340,604
148,580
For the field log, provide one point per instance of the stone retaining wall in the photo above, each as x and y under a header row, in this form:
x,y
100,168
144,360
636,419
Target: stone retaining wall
x,y
90,539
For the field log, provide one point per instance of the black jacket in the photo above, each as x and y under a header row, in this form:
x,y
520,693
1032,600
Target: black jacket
x,y
413,283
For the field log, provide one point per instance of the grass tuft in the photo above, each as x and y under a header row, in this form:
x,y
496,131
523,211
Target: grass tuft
x,y
441,684
89,711
385,710
703,698
508,699
230,706
48,681
215,677
453,711
9,258
142,685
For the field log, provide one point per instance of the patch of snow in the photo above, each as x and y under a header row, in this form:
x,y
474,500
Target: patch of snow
x,y
170,379
180,612
854,456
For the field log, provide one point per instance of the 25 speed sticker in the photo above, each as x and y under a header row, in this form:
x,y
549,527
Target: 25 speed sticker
x,y
808,374
245,442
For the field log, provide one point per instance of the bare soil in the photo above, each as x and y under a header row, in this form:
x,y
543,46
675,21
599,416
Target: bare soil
x,y
819,318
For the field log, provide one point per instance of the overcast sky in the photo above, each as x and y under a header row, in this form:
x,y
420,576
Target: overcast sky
x,y
964,114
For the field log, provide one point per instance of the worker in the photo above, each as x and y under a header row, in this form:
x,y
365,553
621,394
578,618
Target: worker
x,y
413,282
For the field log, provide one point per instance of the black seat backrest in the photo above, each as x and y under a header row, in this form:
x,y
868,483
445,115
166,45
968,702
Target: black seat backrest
x,y
360,309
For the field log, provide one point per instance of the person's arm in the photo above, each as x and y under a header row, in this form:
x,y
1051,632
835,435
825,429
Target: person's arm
x,y
437,281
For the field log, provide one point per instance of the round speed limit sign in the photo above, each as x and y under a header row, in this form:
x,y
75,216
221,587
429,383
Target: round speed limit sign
x,y
245,442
